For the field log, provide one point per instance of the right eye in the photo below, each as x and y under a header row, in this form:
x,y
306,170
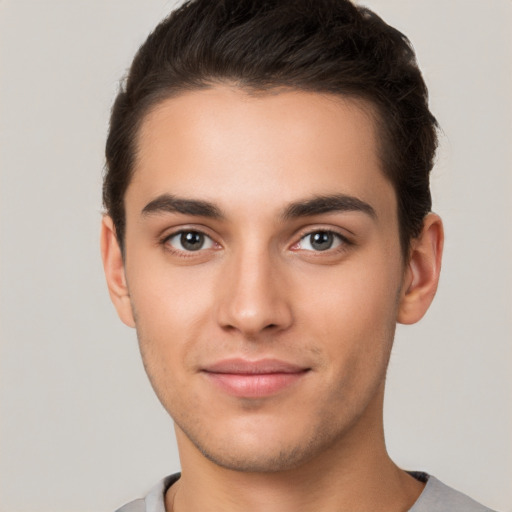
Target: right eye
x,y
190,241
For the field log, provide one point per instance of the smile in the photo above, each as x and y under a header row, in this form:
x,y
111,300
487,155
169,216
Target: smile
x,y
254,379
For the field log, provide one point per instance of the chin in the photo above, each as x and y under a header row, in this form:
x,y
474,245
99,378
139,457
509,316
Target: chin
x,y
260,451
261,462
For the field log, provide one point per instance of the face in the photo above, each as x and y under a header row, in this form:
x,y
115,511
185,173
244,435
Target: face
x,y
263,271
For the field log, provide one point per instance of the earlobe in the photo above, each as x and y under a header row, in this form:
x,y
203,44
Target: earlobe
x,y
113,266
422,271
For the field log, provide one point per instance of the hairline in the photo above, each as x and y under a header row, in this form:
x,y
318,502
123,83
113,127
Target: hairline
x,y
366,103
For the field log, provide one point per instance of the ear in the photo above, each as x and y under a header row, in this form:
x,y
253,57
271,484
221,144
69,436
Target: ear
x,y
422,271
113,265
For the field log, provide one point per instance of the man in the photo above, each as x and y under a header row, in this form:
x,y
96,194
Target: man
x,y
267,225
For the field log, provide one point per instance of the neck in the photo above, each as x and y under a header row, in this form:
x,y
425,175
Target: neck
x,y
355,474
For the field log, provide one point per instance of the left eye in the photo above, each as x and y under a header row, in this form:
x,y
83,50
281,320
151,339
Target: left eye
x,y
320,241
190,241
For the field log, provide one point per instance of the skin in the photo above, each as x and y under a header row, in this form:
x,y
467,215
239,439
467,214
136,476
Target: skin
x,y
259,288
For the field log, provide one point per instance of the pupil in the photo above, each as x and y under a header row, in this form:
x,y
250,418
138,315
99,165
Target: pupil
x,y
192,241
321,241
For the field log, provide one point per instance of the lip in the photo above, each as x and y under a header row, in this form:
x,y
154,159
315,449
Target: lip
x,y
254,379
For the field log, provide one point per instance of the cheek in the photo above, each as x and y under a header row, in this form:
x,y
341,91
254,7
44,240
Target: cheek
x,y
172,309
165,295
170,318
357,295
353,311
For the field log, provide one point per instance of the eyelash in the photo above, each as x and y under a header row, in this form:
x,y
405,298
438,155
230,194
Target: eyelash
x,y
184,252
342,242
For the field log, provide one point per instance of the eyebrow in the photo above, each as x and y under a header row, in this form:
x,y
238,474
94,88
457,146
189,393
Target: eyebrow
x,y
328,204
167,203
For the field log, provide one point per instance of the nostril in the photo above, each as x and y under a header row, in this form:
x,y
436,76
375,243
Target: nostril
x,y
252,305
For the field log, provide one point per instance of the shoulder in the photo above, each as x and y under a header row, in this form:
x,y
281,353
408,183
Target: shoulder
x,y
134,506
154,500
438,497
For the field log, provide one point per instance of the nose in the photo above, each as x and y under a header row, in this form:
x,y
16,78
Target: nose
x,y
254,295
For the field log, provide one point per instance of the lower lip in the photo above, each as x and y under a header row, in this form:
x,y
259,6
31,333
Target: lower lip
x,y
254,385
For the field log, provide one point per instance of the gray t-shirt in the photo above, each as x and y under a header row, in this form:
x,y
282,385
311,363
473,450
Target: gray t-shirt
x,y
436,497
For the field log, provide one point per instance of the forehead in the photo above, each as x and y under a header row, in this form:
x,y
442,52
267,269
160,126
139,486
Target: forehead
x,y
225,145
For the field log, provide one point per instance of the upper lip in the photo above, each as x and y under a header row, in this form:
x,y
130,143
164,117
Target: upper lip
x,y
261,366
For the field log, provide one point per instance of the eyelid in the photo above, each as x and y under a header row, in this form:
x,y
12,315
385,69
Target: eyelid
x,y
341,234
345,241
164,238
171,230
208,240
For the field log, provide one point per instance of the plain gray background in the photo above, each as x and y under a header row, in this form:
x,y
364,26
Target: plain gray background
x,y
80,428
